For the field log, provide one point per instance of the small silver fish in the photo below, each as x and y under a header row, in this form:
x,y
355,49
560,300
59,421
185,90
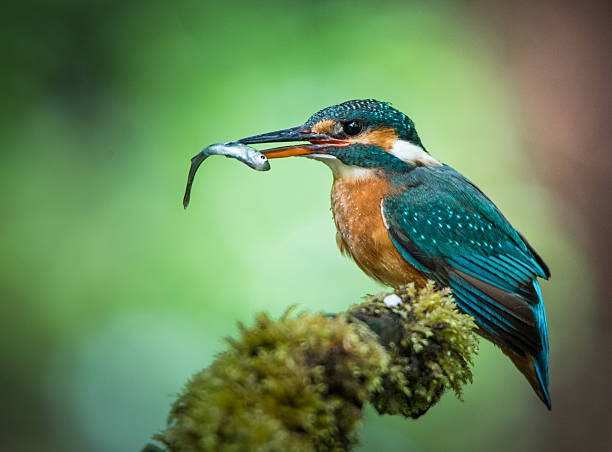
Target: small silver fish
x,y
239,151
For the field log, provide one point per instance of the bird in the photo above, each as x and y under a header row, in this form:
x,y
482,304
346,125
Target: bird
x,y
404,216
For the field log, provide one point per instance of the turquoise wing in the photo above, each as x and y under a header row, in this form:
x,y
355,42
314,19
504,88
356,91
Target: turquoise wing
x,y
447,228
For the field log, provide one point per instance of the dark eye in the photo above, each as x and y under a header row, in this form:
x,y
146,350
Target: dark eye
x,y
352,128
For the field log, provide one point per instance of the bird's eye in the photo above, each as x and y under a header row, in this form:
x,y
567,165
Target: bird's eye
x,y
352,128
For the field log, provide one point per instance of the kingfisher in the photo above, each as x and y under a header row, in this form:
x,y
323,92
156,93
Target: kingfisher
x,y
403,216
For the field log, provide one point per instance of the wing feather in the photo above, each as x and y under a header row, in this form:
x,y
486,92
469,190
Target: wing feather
x,y
464,242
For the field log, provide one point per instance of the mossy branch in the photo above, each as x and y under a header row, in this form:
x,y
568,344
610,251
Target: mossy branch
x,y
300,383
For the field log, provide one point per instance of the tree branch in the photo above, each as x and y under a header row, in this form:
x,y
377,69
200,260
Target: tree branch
x,y
300,382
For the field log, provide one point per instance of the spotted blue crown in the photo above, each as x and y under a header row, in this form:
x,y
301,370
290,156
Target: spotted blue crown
x,y
373,113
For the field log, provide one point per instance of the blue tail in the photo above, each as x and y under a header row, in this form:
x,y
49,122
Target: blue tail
x,y
541,360
517,326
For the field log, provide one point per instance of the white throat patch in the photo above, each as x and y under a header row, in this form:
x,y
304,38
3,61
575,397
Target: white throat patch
x,y
342,170
412,154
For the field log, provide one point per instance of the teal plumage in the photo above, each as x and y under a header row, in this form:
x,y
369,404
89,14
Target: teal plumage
x,y
368,156
447,228
372,113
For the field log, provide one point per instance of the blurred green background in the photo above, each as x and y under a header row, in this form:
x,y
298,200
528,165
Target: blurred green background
x,y
113,295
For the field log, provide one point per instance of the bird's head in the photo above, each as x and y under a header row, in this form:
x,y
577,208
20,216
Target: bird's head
x,y
357,134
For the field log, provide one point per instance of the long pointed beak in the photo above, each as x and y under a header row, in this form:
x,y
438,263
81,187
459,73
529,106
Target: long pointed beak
x,y
318,142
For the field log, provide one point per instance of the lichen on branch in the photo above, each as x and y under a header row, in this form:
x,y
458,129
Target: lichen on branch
x,y
430,345
300,382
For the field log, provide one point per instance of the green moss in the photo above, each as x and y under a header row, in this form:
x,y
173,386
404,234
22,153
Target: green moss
x,y
299,383
430,343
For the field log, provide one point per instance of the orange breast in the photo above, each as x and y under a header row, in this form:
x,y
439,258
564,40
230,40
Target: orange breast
x,y
356,205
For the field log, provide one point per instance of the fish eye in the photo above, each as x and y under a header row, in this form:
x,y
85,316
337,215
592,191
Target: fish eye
x,y
352,128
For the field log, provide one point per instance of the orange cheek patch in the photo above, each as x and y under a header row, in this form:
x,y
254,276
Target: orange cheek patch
x,y
384,137
325,126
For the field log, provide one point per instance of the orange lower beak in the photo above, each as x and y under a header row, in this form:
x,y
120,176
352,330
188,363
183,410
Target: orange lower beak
x,y
318,147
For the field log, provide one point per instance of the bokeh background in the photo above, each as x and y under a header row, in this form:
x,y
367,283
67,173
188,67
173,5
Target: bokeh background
x,y
113,295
